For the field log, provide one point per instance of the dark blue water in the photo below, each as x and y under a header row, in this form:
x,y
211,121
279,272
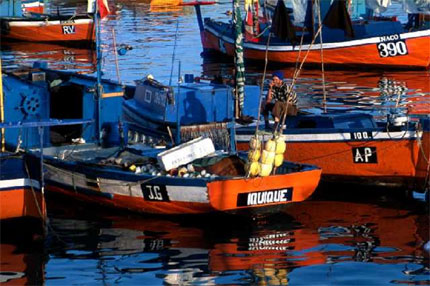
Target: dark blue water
x,y
342,237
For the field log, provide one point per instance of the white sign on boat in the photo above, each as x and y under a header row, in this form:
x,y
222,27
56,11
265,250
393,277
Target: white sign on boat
x,y
186,153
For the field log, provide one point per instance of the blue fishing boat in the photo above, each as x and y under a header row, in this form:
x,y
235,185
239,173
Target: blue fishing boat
x,y
22,125
88,161
350,147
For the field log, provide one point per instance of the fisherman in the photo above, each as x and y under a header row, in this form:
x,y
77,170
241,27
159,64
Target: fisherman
x,y
279,100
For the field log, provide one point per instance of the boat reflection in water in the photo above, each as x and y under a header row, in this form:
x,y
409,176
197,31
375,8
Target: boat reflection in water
x,y
58,57
311,243
22,255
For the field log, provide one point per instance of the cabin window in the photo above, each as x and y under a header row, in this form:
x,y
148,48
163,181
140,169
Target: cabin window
x,y
148,95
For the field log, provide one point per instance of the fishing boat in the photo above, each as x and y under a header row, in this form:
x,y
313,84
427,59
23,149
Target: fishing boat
x,y
35,27
82,170
20,195
22,124
366,40
91,162
48,28
354,148
349,147
214,183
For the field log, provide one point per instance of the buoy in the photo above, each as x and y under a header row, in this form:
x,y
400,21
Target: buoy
x,y
190,168
182,171
267,157
281,146
253,169
254,143
265,170
132,168
270,145
254,155
279,159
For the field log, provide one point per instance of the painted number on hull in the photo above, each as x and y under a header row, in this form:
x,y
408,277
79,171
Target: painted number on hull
x,y
154,193
361,135
392,46
67,30
364,155
154,244
264,197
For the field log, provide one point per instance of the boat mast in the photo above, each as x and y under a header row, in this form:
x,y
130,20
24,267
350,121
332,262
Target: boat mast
x,y
238,58
99,88
2,133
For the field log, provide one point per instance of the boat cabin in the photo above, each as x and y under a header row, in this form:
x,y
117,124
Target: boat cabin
x,y
39,94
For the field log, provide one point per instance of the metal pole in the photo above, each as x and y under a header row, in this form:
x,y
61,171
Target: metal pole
x,y
2,133
116,55
178,104
42,177
99,74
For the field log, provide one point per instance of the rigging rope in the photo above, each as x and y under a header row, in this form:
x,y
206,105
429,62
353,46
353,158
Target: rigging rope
x,y
322,60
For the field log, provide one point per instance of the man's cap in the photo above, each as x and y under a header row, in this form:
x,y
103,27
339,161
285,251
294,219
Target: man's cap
x,y
278,74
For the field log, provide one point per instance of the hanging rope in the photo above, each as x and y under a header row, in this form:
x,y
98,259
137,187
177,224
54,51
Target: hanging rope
x,y
322,60
174,52
295,76
262,84
427,160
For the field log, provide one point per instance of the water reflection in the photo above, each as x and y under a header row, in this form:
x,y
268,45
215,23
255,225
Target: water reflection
x,y
59,57
376,91
312,242
22,253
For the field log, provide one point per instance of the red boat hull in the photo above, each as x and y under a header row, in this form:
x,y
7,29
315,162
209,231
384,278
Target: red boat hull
x,y
75,30
224,195
358,52
398,163
21,202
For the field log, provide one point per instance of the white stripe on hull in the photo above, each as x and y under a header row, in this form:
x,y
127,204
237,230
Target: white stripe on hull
x,y
192,194
323,137
48,23
345,44
188,194
19,183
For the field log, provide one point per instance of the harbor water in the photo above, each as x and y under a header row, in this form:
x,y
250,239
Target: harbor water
x,y
343,235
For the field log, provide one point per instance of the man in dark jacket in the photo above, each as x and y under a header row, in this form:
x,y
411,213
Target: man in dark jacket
x,y
279,100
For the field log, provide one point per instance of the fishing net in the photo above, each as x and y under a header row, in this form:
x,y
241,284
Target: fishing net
x,y
218,132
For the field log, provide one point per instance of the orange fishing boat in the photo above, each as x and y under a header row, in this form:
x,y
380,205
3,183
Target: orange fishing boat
x,y
35,27
48,28
20,192
372,42
215,183
356,149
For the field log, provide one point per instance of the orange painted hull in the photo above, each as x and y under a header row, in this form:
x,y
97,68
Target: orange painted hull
x,y
195,195
399,162
80,30
423,166
361,53
21,202
223,194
